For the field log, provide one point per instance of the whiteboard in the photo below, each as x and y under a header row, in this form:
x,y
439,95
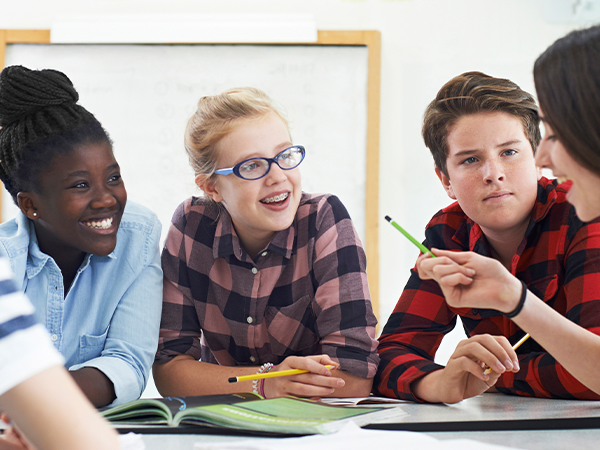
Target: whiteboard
x,y
144,95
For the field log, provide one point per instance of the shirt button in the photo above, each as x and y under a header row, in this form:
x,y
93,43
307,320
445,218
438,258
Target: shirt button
x,y
249,319
54,337
254,270
475,311
252,359
264,254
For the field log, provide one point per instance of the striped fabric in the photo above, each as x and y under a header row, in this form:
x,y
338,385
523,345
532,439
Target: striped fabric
x,y
25,347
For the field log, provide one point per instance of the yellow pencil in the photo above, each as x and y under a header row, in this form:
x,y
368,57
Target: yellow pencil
x,y
516,346
281,373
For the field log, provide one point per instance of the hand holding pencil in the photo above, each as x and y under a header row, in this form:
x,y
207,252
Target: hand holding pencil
x,y
299,376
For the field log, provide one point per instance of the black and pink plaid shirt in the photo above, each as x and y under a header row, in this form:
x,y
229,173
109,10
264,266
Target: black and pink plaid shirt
x,y
305,294
558,259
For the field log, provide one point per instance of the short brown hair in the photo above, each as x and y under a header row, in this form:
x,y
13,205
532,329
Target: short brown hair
x,y
216,117
472,93
567,80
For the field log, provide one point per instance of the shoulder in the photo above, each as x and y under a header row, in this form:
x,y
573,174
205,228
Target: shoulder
x,y
139,219
15,236
448,227
323,205
193,211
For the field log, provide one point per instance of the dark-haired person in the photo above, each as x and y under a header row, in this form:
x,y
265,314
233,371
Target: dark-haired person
x,y
35,390
89,264
483,133
567,81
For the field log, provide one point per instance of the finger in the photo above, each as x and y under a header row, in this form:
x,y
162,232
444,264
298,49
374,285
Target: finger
x,y
425,266
315,363
500,350
466,364
457,257
480,354
455,280
444,270
307,390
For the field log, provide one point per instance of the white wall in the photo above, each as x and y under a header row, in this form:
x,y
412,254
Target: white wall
x,y
424,43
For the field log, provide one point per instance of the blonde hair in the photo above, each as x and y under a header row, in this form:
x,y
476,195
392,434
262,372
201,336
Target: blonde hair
x,y
216,117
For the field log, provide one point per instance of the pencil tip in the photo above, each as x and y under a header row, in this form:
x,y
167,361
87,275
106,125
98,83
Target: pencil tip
x,y
388,218
232,380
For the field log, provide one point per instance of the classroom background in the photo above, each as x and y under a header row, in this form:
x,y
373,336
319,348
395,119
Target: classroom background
x,y
424,44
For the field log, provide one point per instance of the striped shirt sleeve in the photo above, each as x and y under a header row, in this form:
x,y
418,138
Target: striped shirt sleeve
x,y
25,347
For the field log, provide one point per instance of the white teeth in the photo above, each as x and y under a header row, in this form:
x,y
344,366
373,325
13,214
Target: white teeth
x,y
277,198
561,179
103,225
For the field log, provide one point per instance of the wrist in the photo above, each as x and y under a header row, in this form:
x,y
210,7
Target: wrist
x,y
521,302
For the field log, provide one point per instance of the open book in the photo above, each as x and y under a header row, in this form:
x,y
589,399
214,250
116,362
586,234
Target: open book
x,y
245,412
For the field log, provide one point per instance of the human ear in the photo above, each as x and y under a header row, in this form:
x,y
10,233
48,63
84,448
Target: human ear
x,y
445,183
209,186
26,202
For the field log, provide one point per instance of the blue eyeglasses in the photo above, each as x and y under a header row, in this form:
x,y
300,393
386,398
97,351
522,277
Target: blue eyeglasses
x,y
255,168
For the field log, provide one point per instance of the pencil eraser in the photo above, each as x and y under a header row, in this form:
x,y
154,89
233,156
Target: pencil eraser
x,y
232,380
388,218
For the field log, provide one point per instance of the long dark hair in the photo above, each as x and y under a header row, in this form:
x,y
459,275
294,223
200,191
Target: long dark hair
x,y
567,80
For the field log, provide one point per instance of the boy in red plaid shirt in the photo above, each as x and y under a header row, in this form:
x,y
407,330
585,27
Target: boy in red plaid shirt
x,y
483,133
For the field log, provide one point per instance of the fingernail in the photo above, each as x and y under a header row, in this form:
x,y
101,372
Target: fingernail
x,y
500,367
516,365
341,383
470,271
508,364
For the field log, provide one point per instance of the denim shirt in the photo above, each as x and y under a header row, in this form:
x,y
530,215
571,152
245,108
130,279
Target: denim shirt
x,y
110,317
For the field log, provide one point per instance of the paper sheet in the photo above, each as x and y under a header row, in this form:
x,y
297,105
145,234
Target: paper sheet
x,y
353,437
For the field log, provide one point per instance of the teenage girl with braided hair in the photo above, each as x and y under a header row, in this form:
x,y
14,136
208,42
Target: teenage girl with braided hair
x,y
89,264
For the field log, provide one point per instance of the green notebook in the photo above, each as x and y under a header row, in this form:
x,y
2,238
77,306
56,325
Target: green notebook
x,y
245,412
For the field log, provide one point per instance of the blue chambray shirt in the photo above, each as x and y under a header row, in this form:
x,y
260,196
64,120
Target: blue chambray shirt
x,y
110,316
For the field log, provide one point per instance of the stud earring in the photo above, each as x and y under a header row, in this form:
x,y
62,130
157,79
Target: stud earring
x,y
34,214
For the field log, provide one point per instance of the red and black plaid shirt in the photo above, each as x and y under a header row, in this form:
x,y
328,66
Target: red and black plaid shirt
x,y
558,259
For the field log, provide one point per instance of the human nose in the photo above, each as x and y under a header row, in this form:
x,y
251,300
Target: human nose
x,y
542,155
492,171
276,174
103,198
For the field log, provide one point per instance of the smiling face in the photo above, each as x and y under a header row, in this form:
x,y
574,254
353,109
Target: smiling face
x,y
258,208
80,204
491,172
583,193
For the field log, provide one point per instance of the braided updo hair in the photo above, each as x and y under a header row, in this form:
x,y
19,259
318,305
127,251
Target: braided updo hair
x,y
40,118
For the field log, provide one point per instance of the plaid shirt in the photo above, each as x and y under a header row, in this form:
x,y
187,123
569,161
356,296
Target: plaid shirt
x,y
305,294
558,259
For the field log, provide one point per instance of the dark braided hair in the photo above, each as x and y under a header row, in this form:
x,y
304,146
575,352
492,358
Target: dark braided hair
x,y
40,118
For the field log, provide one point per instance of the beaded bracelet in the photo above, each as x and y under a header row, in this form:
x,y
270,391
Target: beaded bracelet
x,y
258,385
515,312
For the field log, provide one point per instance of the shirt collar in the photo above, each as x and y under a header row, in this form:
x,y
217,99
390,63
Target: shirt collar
x,y
546,197
37,259
227,242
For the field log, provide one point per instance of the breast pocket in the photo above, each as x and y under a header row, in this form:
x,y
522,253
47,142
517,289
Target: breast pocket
x,y
292,328
545,288
91,346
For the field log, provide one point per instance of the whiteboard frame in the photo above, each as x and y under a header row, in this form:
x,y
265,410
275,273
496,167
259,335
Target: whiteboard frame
x,y
369,38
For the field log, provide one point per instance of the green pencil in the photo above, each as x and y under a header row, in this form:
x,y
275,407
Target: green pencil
x,y
410,238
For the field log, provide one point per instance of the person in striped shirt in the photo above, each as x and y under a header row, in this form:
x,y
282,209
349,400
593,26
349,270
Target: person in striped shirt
x,y
36,391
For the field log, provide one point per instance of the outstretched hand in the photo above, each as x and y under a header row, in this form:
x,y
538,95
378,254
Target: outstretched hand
x,y
318,382
470,280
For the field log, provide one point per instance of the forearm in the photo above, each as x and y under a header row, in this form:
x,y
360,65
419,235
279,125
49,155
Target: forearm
x,y
184,376
572,346
51,412
96,386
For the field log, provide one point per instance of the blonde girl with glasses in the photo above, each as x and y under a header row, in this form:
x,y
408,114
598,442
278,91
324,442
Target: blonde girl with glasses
x,y
259,276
